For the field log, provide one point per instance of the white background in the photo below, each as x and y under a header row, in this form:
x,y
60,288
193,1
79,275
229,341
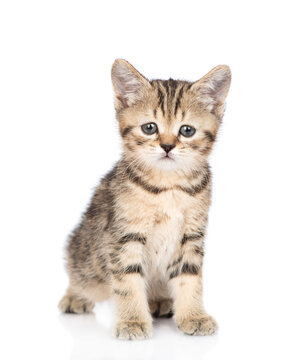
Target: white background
x,y
59,136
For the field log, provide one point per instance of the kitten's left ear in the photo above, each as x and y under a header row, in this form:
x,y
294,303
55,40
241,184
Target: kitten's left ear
x,y
212,89
129,85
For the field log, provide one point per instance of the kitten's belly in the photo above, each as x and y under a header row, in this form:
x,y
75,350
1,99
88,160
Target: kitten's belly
x,y
162,243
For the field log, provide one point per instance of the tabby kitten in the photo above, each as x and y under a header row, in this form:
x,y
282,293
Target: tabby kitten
x,y
141,239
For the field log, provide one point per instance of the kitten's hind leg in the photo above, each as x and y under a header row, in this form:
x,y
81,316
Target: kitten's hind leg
x,y
73,303
161,308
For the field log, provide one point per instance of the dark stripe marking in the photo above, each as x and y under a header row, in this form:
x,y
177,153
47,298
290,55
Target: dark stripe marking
x,y
193,146
175,262
137,180
196,236
185,269
178,100
157,190
133,269
173,84
165,84
199,251
161,100
209,136
197,188
205,150
141,142
174,274
126,131
132,237
189,269
121,292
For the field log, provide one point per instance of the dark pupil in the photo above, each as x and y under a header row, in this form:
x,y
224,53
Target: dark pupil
x,y
187,130
149,127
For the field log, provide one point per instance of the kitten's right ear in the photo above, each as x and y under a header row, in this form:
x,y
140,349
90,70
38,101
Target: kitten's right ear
x,y
129,85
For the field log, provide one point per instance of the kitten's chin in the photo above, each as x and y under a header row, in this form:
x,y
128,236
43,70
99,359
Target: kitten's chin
x,y
167,164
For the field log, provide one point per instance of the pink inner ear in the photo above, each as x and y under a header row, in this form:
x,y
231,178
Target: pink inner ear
x,y
128,82
217,88
213,88
127,85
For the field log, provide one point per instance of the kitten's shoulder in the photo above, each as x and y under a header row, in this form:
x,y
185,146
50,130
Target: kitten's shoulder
x,y
103,195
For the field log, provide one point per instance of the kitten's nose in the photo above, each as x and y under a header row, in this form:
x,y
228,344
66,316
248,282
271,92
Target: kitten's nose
x,y
167,147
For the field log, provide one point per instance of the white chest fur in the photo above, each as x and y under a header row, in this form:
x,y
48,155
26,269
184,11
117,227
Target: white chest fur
x,y
162,241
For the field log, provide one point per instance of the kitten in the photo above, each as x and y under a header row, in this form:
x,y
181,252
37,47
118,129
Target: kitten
x,y
141,239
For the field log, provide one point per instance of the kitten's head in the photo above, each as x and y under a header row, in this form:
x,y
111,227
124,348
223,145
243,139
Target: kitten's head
x,y
168,125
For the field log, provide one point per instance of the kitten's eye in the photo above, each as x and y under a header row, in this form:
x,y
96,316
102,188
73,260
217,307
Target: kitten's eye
x,y
187,130
149,128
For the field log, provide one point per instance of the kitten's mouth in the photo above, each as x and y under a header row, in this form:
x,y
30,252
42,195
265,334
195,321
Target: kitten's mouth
x,y
167,157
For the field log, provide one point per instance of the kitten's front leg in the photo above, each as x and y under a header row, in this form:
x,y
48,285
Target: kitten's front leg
x,y
133,317
187,290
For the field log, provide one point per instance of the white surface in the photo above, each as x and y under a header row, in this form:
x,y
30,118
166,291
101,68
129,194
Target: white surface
x,y
58,136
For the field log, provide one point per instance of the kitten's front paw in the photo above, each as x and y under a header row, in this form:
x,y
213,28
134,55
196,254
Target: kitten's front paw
x,y
75,305
205,325
133,330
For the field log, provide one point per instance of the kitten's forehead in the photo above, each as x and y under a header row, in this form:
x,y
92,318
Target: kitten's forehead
x,y
170,97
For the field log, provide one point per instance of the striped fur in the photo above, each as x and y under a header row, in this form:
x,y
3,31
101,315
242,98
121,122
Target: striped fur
x,y
141,239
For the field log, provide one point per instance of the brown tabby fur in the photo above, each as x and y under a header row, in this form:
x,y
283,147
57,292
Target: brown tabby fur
x,y
141,239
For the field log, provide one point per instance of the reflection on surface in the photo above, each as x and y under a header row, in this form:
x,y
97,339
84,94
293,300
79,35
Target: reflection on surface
x,y
93,339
